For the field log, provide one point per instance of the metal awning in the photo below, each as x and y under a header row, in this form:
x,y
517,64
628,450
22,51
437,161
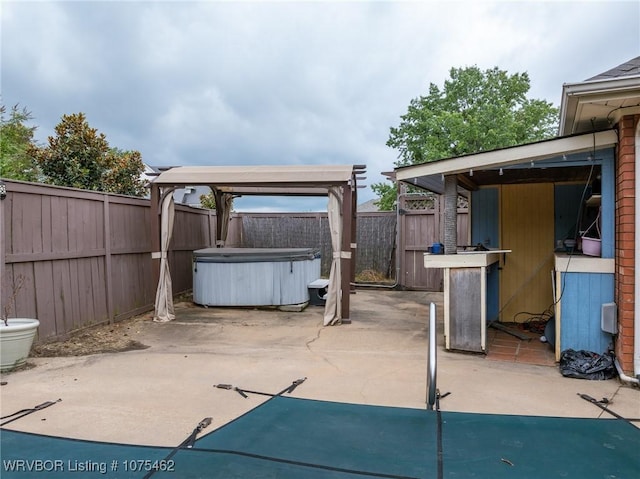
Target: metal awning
x,y
560,159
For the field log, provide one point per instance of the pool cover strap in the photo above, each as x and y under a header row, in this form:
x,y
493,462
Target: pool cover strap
x,y
187,443
440,464
25,412
243,392
600,404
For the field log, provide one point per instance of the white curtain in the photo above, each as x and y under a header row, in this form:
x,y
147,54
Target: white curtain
x,y
224,209
333,305
164,295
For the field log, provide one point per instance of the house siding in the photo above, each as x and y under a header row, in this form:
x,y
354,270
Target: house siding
x,y
583,295
625,239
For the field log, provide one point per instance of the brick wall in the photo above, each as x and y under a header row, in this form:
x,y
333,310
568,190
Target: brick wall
x,y
625,240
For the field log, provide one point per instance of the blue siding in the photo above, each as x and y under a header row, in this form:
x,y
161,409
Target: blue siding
x,y
582,298
493,292
484,229
608,208
484,217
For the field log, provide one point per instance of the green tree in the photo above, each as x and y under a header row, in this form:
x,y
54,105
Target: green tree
x,y
15,139
475,111
208,201
124,173
80,157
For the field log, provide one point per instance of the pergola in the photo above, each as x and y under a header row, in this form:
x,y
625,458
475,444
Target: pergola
x,y
338,182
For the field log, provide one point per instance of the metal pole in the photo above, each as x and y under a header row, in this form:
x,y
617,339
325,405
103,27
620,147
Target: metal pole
x,y
432,359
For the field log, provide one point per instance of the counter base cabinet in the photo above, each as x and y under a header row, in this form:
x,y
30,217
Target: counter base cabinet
x,y
465,296
578,313
465,309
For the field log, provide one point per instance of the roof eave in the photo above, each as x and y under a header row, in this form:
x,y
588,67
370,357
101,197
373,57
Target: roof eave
x,y
429,175
573,93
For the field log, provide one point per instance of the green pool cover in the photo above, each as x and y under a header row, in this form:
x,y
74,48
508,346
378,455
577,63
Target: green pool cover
x,y
296,438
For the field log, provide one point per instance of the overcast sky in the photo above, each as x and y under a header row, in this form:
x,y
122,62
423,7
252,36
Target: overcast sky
x,y
272,83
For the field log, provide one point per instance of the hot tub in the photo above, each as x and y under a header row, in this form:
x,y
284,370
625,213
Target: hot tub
x,y
253,276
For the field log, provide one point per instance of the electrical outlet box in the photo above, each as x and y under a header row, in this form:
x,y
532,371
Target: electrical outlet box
x,y
609,318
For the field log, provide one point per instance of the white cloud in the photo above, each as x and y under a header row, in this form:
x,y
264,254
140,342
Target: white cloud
x,y
285,82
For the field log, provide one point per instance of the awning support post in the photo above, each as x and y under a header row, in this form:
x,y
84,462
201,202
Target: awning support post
x,y
450,214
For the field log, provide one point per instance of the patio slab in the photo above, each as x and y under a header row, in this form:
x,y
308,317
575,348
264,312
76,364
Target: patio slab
x,y
156,396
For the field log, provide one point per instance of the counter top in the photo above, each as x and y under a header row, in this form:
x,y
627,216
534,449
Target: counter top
x,y
464,259
579,263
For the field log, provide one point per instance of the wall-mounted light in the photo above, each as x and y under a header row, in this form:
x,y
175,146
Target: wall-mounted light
x,y
501,172
471,172
3,190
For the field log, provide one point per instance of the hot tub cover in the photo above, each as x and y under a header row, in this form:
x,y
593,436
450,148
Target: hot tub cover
x,y
254,255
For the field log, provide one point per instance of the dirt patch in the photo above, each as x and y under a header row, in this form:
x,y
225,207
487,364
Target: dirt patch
x,y
107,338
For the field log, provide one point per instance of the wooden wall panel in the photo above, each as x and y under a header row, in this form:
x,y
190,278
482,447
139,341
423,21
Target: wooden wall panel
x,y
527,228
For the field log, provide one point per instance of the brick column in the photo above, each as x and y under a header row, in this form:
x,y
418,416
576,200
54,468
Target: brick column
x,y
625,240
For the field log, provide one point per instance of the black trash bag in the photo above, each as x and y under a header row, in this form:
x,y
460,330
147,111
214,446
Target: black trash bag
x,y
587,365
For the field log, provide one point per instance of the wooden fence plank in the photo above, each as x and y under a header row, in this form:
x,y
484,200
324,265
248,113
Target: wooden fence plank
x,y
87,255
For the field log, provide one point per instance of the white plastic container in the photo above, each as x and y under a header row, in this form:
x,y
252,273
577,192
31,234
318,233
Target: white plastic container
x,y
15,341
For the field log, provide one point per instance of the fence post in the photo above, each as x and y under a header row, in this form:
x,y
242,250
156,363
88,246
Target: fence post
x,y
108,269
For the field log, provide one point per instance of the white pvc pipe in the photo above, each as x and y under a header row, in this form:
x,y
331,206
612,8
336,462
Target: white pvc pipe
x,y
623,376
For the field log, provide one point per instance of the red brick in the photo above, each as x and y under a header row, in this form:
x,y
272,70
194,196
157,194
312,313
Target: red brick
x,y
627,365
626,275
625,157
624,268
625,196
625,203
626,226
627,341
623,273
627,121
625,251
625,186
626,289
625,169
626,148
626,208
625,322
625,237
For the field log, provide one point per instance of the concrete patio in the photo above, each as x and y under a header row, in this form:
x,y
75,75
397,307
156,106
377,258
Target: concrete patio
x,y
156,396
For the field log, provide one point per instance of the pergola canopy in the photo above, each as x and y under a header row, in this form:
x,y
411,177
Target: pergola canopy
x,y
289,180
338,182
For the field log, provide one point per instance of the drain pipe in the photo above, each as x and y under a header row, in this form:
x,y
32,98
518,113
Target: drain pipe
x,y
623,376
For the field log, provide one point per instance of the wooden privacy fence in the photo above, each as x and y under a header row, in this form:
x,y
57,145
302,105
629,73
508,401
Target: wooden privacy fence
x,y
376,233
378,246
84,257
421,224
